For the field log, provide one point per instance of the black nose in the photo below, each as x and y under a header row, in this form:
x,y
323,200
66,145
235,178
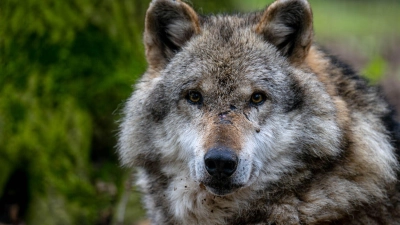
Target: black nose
x,y
221,162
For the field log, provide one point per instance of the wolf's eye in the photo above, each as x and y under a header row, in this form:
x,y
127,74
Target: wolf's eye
x,y
194,97
257,98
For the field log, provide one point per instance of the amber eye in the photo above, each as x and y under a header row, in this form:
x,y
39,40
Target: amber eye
x,y
194,97
257,98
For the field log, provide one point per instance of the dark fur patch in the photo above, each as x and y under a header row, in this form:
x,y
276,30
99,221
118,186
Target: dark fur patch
x,y
393,127
226,33
345,68
157,105
354,88
295,96
296,101
348,72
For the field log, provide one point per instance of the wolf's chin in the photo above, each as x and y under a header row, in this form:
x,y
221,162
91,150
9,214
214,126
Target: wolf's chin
x,y
220,190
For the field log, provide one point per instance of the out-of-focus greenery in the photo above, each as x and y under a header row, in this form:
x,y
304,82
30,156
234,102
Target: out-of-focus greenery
x,y
65,69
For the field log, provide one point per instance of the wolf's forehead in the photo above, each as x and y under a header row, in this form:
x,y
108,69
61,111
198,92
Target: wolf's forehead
x,y
228,56
224,31
227,26
234,88
230,43
225,72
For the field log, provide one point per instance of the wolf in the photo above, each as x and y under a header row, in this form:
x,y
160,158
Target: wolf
x,y
242,119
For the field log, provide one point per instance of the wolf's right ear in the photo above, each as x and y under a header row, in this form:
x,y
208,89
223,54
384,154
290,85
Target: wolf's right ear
x,y
169,25
288,24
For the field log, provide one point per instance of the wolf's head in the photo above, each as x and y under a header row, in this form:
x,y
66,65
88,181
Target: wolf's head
x,y
229,101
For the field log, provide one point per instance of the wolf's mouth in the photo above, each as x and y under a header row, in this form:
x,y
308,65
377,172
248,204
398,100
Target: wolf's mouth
x,y
221,186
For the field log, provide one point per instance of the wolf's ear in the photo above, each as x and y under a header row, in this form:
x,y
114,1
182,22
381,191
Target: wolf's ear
x,y
169,25
288,25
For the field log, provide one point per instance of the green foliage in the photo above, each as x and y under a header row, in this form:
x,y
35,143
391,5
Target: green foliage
x,y
65,66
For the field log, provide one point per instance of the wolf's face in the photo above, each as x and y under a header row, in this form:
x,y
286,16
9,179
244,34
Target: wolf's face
x,y
228,104
236,110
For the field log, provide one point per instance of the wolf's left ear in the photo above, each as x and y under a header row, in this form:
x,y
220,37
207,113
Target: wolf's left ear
x,y
169,25
288,25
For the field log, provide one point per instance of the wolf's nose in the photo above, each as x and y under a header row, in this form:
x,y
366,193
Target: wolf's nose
x,y
221,162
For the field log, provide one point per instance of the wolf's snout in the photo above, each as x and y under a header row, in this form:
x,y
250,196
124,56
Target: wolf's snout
x,y
220,162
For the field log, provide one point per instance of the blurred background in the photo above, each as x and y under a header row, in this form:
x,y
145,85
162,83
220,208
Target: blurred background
x,y
66,67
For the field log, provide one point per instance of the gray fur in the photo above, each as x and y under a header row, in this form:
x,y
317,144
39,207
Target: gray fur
x,y
319,150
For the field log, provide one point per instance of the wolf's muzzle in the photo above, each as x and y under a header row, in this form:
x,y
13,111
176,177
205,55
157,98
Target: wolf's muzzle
x,y
220,162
